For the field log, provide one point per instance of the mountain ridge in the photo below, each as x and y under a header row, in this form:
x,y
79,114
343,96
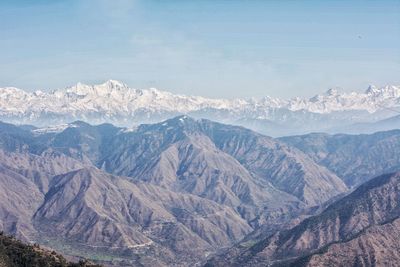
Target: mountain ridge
x,y
325,237
116,102
144,195
354,158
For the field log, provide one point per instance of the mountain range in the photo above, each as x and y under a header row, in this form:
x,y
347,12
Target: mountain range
x,y
115,102
355,158
361,229
173,193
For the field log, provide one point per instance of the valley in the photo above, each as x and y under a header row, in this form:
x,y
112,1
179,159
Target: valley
x,y
178,191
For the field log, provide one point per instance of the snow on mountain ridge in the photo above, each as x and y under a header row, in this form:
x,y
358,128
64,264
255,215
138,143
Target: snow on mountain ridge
x,y
116,99
128,99
373,99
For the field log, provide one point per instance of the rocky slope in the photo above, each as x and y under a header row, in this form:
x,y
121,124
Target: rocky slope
x,y
285,167
227,164
94,212
24,180
354,158
149,195
178,184
377,246
19,199
91,208
344,233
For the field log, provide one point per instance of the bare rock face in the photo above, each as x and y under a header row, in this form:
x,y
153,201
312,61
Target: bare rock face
x,y
354,158
348,225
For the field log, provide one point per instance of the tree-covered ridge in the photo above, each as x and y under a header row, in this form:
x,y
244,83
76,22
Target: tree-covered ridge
x,y
14,253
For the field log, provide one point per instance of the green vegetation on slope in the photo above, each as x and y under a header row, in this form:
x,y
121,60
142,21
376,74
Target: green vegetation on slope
x,y
14,253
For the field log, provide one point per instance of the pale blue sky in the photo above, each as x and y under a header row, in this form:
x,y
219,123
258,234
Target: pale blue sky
x,y
215,48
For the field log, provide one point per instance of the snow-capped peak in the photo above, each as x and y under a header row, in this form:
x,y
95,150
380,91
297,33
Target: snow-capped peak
x,y
114,101
332,92
114,83
372,89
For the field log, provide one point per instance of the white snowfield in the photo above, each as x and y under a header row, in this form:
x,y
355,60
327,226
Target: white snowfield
x,y
116,100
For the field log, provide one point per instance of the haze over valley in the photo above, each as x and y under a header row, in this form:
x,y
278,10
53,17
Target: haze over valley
x,y
373,110
149,195
213,133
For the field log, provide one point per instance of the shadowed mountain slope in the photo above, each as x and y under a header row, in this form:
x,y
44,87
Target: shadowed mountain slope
x,y
376,246
349,223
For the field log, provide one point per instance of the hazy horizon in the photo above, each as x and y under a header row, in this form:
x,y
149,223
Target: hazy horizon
x,y
243,156
210,48
321,92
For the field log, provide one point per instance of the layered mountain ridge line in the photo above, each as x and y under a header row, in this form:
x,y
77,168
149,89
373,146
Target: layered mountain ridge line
x,y
160,154
117,103
121,98
354,158
145,196
89,209
158,189
360,229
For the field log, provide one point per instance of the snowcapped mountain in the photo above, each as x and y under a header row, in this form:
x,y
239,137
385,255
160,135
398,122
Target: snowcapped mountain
x,y
115,102
372,100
